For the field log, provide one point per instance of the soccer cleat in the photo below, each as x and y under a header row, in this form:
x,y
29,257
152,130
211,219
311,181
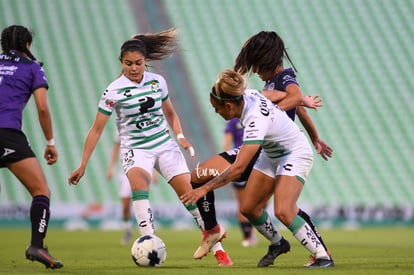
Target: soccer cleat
x,y
210,238
273,252
318,263
42,255
127,238
222,258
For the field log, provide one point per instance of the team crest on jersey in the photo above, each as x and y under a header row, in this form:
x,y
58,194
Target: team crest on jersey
x,y
155,86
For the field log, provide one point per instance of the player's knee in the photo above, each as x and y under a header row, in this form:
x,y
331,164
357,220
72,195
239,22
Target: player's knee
x,y
247,211
284,215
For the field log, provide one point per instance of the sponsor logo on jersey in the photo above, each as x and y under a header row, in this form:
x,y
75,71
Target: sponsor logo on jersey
x,y
109,103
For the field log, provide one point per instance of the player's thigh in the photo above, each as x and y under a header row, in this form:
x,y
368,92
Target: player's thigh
x,y
139,178
30,174
124,186
292,172
256,194
209,169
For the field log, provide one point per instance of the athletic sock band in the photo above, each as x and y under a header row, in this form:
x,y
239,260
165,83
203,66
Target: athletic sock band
x,y
140,195
296,224
260,220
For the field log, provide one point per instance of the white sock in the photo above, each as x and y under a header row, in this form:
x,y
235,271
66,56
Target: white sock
x,y
217,247
305,235
265,226
143,214
197,217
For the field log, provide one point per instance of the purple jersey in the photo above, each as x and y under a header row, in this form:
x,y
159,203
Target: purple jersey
x,y
19,77
280,82
234,127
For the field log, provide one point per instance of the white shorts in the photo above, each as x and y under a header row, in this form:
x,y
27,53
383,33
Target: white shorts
x,y
296,164
124,186
167,159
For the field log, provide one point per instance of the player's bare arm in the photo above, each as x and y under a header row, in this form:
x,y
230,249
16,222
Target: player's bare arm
x,y
230,174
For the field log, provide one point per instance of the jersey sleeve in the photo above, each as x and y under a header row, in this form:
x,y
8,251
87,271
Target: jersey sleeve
x,y
39,77
106,103
288,78
163,87
229,126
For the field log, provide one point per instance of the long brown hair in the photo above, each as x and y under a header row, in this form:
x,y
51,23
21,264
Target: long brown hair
x,y
263,52
154,46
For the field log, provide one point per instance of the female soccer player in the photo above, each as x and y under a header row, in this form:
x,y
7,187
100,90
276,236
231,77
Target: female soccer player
x,y
263,54
20,77
281,169
143,113
233,138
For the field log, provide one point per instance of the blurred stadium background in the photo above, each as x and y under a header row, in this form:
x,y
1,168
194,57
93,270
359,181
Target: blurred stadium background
x,y
357,55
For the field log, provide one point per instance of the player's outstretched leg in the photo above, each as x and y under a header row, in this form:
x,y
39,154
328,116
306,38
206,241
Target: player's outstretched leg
x,y
39,217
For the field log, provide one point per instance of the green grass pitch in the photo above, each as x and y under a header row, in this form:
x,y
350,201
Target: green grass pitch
x,y
363,251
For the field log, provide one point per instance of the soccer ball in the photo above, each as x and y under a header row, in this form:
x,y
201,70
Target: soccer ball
x,y
148,250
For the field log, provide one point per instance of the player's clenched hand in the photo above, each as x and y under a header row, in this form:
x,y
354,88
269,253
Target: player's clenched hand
x,y
51,155
187,146
76,175
193,196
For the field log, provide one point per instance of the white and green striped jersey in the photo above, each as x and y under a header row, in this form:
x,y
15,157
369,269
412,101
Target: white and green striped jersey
x,y
265,124
139,117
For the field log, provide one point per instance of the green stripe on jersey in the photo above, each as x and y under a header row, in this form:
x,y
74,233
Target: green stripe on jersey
x,y
129,98
122,90
153,146
149,112
136,105
104,112
253,142
143,140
